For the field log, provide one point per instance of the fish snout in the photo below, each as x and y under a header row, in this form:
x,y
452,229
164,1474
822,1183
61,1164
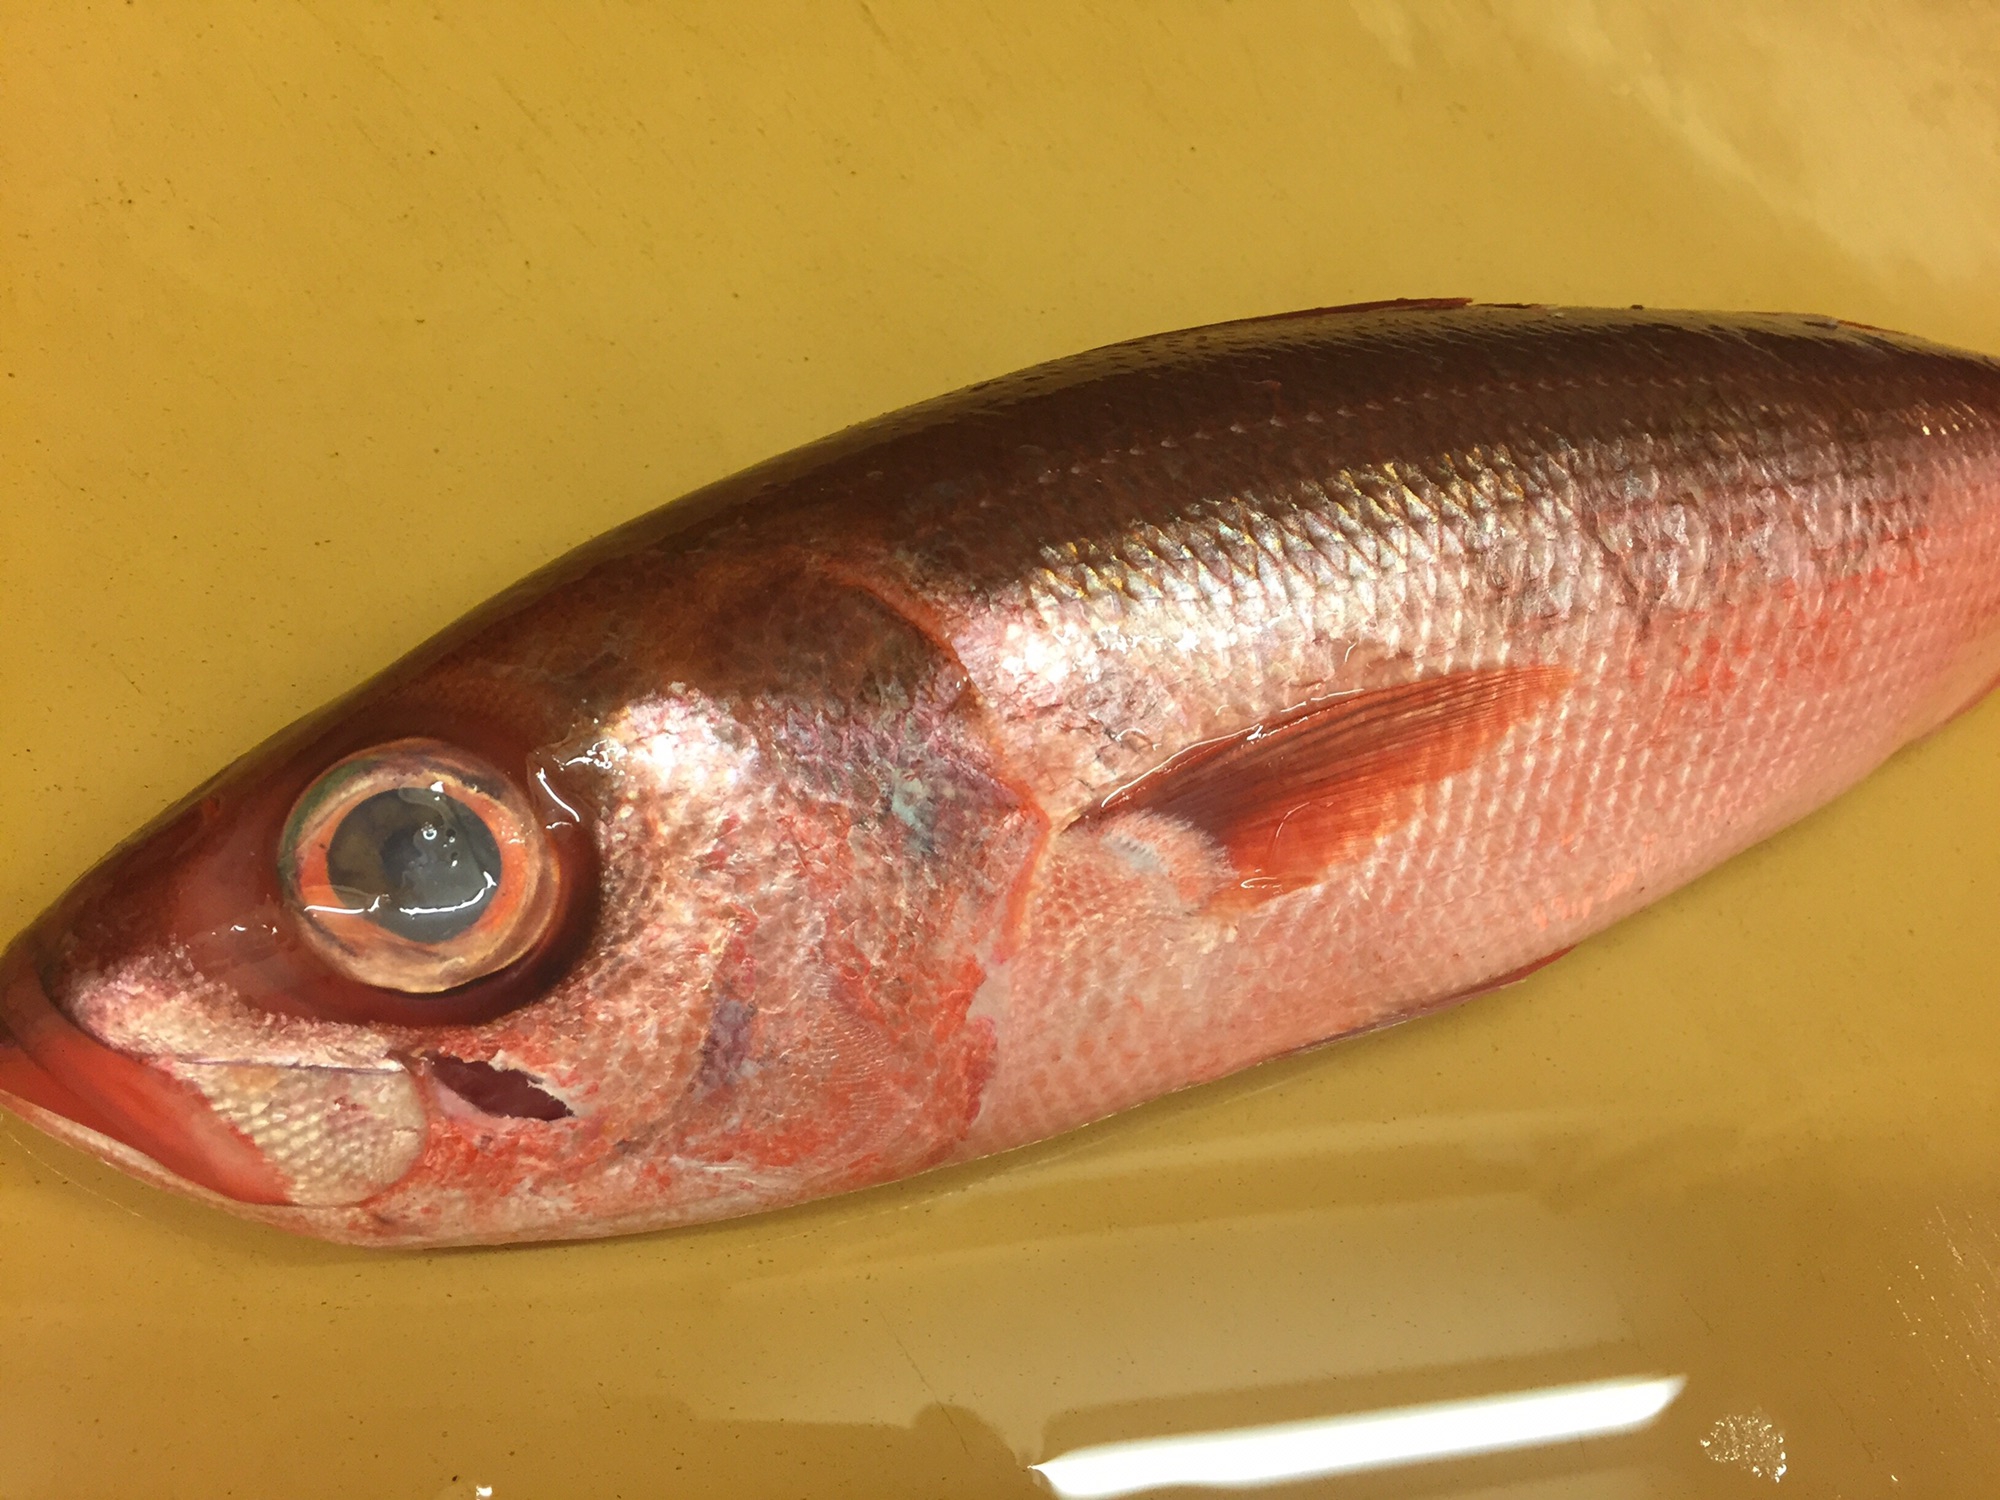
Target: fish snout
x,y
52,1065
254,1131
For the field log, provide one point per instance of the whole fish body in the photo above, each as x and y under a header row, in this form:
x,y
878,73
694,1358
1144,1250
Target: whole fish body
x,y
1009,761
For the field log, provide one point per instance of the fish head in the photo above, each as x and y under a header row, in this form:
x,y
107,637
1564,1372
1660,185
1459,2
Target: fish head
x,y
656,898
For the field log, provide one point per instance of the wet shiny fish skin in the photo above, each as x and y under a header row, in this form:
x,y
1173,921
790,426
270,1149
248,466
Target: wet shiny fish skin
x,y
1082,736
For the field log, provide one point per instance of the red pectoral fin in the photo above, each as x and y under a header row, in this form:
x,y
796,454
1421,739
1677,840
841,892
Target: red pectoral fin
x,y
1292,796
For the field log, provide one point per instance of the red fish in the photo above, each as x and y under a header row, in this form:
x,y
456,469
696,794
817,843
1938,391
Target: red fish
x,y
1023,756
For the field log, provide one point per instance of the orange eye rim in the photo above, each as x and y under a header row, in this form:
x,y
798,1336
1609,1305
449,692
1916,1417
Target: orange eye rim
x,y
512,924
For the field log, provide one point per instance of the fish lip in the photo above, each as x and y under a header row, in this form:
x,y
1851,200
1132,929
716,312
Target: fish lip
x,y
55,1069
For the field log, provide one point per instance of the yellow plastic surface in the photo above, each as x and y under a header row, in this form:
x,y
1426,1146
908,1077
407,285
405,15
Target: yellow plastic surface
x,y
323,322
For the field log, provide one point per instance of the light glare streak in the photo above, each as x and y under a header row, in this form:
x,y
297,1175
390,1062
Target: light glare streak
x,y
1248,1457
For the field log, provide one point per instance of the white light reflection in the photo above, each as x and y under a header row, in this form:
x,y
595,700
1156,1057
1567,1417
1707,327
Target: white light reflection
x,y
1251,1456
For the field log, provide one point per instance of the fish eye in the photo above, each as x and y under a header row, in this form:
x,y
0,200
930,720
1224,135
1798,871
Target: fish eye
x,y
417,866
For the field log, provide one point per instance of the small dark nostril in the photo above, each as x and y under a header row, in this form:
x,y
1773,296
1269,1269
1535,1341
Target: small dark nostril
x,y
497,1091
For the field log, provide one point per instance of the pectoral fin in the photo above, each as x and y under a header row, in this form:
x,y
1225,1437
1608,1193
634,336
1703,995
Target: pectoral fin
x,y
1292,796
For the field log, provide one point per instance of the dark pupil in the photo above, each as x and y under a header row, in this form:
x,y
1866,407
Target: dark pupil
x,y
419,863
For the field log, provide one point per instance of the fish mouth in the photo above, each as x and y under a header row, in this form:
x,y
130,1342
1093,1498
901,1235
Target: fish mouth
x,y
55,1068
